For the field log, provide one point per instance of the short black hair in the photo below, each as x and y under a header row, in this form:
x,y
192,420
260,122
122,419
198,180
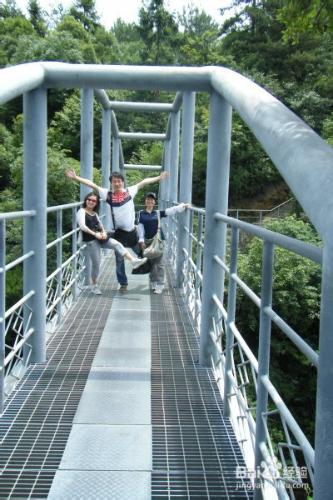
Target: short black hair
x,y
151,195
116,175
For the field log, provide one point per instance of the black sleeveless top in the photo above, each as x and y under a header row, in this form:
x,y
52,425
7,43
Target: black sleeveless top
x,y
93,224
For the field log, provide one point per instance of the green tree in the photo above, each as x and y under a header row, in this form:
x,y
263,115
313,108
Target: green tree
x,y
159,33
296,298
302,16
36,17
85,12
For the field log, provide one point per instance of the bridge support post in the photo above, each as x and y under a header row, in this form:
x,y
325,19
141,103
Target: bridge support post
x,y
263,359
185,188
174,157
87,150
115,154
106,162
232,291
2,310
35,228
172,187
217,182
87,137
323,481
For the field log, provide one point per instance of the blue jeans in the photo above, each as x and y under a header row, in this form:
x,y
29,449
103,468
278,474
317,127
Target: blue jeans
x,y
120,267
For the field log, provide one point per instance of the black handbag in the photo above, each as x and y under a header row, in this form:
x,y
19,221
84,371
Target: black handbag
x,y
144,269
126,238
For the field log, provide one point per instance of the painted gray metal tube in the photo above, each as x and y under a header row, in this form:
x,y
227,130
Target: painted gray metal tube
x,y
2,311
302,157
134,166
106,162
185,184
263,356
174,151
87,137
141,136
34,198
144,107
177,102
16,80
230,320
65,75
217,181
323,484
115,154
102,98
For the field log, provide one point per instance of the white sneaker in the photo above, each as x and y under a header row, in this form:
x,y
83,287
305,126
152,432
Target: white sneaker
x,y
158,289
85,287
135,263
153,285
96,290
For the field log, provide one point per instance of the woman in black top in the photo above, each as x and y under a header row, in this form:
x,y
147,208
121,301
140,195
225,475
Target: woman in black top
x,y
95,237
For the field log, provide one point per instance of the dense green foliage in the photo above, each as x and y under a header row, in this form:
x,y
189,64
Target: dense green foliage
x,y
260,39
296,298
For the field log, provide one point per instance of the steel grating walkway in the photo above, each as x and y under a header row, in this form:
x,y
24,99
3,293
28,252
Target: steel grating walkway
x,y
194,451
38,415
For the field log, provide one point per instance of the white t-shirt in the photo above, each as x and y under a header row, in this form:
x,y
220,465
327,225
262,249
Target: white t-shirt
x,y
122,206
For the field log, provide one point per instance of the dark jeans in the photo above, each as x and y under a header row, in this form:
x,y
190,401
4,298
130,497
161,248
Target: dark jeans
x,y
120,267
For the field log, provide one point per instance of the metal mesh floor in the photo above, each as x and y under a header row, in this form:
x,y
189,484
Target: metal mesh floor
x,y
195,452
38,415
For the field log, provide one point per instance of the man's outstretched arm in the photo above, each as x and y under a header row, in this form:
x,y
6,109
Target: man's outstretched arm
x,y
72,175
152,180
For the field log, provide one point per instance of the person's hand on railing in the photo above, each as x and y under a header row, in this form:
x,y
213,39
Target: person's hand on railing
x,y
70,173
187,205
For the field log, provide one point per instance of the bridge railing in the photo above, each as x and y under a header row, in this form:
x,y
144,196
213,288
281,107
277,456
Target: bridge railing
x,y
251,400
67,266
66,273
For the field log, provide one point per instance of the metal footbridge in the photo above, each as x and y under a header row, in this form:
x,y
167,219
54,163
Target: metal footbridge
x,y
158,396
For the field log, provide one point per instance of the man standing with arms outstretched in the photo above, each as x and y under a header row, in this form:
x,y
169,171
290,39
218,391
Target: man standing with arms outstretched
x,y
122,208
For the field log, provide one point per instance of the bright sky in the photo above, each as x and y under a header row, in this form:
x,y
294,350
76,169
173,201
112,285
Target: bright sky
x,y
110,10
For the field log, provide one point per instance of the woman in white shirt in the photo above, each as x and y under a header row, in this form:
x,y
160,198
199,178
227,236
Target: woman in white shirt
x,y
147,228
95,238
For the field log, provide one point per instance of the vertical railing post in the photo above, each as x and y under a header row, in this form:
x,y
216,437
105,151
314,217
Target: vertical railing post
x,y
174,157
87,148
115,153
173,169
162,193
164,186
87,137
323,479
230,320
59,263
35,228
2,310
185,186
199,268
217,181
263,357
106,161
74,250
